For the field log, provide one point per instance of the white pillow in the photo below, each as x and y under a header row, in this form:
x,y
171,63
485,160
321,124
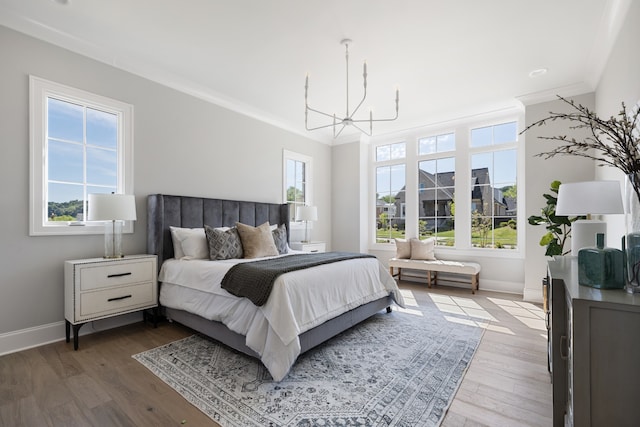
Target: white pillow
x,y
189,243
403,248
423,249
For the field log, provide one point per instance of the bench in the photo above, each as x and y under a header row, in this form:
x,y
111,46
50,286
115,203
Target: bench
x,y
471,269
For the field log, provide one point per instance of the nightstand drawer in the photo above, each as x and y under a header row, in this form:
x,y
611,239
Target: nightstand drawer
x,y
107,274
115,300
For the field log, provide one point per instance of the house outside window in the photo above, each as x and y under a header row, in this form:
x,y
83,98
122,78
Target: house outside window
x,y
494,186
456,182
81,143
436,188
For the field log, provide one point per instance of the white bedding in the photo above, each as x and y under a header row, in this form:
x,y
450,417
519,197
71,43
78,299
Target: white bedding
x,y
299,301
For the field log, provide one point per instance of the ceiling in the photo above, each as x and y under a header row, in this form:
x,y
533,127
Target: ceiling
x,y
449,59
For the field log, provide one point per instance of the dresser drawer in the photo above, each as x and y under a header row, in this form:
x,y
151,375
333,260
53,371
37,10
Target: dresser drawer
x,y
115,300
107,274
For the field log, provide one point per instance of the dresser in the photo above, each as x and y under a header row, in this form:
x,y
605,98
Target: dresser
x,y
98,288
595,351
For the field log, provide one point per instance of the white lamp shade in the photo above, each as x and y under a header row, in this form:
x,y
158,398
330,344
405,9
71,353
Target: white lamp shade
x,y
589,198
307,213
109,207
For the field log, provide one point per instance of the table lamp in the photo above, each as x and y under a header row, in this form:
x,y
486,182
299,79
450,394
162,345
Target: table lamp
x,y
588,198
113,209
306,214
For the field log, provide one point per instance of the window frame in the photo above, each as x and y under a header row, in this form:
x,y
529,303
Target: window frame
x,y
308,180
39,91
461,128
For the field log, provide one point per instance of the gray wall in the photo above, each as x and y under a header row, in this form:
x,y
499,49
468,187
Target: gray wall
x,y
182,145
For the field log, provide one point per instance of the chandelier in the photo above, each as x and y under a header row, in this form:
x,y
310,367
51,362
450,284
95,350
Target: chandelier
x,y
349,119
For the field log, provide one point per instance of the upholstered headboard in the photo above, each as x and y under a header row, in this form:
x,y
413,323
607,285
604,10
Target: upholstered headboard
x,y
164,211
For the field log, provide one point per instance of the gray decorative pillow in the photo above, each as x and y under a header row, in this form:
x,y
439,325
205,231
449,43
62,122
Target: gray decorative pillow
x,y
257,242
223,244
280,239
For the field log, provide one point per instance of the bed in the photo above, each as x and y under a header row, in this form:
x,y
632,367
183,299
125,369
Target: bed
x,y
273,343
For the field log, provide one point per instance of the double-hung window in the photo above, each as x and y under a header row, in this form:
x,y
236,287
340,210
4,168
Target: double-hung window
x,y
81,143
297,182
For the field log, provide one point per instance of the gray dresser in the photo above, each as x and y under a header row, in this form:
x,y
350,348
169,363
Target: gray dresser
x,y
595,351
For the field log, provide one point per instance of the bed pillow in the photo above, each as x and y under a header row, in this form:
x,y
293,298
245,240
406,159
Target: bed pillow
x,y
189,243
258,241
423,249
223,243
403,249
280,239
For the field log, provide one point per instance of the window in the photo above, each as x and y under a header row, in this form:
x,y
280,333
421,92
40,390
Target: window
x,y
297,184
390,191
456,182
494,190
81,143
436,188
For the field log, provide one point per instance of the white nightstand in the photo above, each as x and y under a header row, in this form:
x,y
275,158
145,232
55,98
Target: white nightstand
x,y
308,246
98,288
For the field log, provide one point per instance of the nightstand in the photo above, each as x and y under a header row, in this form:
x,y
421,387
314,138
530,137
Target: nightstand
x,y
98,288
308,246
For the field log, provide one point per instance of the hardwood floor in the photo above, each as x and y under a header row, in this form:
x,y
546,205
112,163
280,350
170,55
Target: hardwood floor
x,y
507,383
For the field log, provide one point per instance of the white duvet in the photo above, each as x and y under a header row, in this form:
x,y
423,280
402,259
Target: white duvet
x,y
299,301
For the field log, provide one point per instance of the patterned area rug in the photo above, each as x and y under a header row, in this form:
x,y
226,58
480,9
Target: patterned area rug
x,y
397,369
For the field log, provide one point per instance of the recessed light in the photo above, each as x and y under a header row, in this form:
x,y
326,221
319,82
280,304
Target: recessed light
x,y
538,72
62,2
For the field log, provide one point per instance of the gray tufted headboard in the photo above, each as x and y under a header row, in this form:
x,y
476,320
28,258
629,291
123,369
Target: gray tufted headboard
x,y
164,211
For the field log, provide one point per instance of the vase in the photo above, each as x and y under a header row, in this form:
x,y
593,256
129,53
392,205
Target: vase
x,y
631,244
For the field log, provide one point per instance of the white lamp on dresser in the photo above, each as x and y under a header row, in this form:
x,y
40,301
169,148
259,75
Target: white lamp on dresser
x,y
588,198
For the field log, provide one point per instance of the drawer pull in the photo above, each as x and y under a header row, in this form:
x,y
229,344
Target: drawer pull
x,y
564,348
313,251
119,298
118,275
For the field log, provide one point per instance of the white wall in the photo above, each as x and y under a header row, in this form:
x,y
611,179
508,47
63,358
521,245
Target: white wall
x,y
539,175
182,145
620,82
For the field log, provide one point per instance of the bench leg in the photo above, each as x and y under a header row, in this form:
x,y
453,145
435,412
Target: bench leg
x,y
475,283
435,278
429,279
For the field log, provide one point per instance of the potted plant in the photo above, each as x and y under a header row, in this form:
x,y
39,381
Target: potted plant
x,y
558,227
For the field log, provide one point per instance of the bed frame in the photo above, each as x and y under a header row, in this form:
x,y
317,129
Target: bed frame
x,y
164,211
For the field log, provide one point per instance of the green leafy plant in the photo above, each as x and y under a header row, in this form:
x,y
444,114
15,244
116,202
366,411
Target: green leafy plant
x,y
558,226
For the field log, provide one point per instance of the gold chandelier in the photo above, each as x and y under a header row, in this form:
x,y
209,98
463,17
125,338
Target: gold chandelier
x,y
349,119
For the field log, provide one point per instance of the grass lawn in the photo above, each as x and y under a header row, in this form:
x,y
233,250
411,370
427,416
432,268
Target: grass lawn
x,y
499,237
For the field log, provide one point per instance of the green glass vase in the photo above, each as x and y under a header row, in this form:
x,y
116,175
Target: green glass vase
x,y
601,267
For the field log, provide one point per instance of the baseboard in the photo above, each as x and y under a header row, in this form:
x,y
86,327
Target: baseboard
x,y
36,336
533,295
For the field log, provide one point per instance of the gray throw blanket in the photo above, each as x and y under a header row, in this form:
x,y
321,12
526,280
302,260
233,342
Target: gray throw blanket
x,y
254,280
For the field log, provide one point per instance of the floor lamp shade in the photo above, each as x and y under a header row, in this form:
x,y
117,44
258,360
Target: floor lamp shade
x,y
588,198
306,214
113,209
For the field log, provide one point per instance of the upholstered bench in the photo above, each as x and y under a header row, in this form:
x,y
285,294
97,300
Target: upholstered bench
x,y
471,269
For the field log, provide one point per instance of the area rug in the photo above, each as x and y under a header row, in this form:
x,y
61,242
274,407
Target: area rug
x,y
394,369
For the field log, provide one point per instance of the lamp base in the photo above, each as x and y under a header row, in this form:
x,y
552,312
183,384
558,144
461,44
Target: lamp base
x,y
113,240
583,234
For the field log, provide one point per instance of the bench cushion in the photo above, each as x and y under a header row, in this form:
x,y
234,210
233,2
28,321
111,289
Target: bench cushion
x,y
459,267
